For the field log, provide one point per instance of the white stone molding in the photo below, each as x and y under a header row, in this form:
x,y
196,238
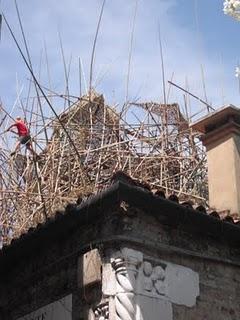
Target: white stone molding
x,y
126,271
101,312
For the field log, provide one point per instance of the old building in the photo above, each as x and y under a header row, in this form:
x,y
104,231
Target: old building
x,y
126,254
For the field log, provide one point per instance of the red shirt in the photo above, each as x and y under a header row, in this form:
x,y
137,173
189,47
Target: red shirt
x,y
21,128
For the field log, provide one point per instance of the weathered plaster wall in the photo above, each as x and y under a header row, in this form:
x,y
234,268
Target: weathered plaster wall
x,y
224,174
49,274
60,310
214,262
160,289
174,264
36,283
219,298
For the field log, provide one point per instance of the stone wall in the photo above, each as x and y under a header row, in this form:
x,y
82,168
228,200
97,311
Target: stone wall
x,y
48,274
215,263
177,288
149,271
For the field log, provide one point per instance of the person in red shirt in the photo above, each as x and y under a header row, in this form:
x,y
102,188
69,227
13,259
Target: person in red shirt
x,y
24,136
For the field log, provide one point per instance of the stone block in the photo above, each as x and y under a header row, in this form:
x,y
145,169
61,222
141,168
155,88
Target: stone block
x,y
89,268
182,285
150,308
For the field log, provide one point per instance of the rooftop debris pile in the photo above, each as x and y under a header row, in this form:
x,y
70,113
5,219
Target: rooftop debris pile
x,y
159,148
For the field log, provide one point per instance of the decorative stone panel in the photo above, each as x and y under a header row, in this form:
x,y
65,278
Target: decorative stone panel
x,y
145,288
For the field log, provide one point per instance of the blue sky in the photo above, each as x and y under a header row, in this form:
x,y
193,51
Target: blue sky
x,y
195,33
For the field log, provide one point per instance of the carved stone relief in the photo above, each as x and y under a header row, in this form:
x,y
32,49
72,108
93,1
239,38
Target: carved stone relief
x,y
144,285
101,312
153,279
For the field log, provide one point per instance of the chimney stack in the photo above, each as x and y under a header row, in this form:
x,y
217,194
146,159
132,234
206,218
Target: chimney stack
x,y
221,137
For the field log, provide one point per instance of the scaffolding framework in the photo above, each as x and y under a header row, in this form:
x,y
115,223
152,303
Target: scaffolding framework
x,y
151,142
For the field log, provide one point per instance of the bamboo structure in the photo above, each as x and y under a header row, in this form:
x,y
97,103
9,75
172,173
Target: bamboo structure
x,y
158,148
82,146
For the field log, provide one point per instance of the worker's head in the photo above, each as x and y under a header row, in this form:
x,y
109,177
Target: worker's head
x,y
18,118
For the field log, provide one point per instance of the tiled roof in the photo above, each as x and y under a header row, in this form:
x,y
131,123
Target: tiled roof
x,y
136,194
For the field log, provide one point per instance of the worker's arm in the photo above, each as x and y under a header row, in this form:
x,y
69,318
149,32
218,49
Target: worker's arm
x,y
9,128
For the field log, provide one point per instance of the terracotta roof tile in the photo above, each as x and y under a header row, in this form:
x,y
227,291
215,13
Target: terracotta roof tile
x,y
134,193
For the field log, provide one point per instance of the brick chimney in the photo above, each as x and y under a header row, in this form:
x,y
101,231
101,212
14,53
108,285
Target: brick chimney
x,y
221,137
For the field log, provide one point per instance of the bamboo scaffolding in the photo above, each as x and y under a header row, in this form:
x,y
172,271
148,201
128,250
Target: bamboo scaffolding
x,y
158,148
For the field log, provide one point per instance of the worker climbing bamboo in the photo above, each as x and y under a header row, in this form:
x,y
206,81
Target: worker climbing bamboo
x,y
24,136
